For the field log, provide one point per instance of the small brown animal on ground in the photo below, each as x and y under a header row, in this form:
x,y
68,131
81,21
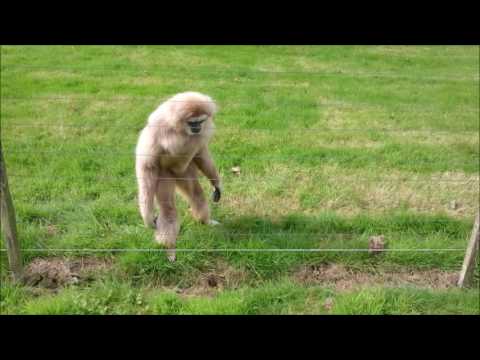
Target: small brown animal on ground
x,y
376,244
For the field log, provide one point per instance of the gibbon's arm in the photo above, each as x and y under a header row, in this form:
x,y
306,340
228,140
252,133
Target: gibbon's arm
x,y
205,163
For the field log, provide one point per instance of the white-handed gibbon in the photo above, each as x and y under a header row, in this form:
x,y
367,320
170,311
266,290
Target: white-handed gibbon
x,y
171,149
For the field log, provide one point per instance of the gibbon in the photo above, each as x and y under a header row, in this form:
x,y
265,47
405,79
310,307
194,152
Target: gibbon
x,y
171,150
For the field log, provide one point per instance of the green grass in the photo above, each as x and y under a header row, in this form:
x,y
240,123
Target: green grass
x,y
280,297
335,143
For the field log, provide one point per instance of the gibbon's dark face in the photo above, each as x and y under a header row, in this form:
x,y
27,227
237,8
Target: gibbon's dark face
x,y
195,125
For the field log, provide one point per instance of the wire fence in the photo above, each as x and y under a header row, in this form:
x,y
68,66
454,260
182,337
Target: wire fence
x,y
313,250
260,104
373,181
218,70
242,75
252,129
95,148
139,230
268,238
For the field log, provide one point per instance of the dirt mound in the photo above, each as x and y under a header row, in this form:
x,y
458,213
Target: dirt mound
x,y
343,278
211,282
52,273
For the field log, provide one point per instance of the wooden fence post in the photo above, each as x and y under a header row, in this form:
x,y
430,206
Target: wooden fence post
x,y
8,223
470,255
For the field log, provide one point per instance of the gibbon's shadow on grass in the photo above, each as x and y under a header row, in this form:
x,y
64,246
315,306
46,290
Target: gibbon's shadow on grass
x,y
295,231
301,232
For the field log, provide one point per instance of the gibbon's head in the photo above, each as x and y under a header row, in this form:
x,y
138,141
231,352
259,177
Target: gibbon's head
x,y
193,113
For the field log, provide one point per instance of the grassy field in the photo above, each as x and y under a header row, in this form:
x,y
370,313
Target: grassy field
x,y
335,144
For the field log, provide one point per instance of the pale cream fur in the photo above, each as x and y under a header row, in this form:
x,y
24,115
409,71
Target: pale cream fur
x,y
168,157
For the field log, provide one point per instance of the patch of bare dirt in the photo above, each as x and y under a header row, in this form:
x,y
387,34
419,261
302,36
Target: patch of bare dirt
x,y
211,282
53,273
343,278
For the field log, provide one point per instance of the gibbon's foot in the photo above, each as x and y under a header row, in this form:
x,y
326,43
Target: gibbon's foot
x,y
213,222
217,194
171,256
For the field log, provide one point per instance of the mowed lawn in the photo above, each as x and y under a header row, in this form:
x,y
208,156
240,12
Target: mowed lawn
x,y
335,144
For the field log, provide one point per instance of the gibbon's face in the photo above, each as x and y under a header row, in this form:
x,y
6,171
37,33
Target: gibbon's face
x,y
195,125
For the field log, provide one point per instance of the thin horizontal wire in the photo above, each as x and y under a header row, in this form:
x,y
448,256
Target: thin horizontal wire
x,y
288,51
242,72
410,221
228,200
286,130
43,244
110,98
328,235
262,233
381,179
238,250
89,96
97,126
405,108
66,207
63,151
224,200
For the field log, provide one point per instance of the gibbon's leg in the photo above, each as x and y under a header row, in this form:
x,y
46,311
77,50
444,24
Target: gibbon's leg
x,y
205,164
147,185
189,187
166,222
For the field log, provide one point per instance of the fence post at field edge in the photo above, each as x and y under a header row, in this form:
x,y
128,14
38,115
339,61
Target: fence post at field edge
x,y
8,224
470,255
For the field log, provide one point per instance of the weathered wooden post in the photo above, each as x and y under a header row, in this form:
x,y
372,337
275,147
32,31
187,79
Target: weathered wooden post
x,y
470,255
8,223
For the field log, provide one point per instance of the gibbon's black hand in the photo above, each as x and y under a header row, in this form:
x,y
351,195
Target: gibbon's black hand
x,y
216,195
